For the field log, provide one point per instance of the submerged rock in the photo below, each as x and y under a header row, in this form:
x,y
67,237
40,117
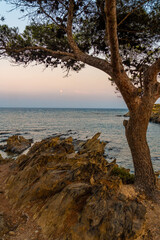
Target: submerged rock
x,y
17,144
73,194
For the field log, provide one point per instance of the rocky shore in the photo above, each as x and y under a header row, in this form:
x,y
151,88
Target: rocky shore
x,y
73,193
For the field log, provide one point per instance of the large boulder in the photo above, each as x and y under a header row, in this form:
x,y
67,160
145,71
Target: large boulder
x,y
72,194
17,144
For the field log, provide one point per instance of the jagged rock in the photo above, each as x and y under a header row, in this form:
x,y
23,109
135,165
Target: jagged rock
x,y
17,144
72,194
93,146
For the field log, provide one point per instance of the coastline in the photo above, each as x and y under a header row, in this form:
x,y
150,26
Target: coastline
x,y
79,125
71,192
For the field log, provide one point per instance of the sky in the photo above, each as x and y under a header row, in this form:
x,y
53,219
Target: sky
x,y
35,86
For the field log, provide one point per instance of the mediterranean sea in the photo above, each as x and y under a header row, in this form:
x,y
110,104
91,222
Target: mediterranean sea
x,y
81,124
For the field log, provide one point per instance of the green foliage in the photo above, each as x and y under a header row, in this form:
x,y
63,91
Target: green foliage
x,y
124,174
47,35
156,109
138,34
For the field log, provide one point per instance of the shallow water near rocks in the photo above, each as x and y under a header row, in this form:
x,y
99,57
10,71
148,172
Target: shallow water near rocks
x,y
81,124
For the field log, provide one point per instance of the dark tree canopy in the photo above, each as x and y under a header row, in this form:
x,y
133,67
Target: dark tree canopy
x,y
138,33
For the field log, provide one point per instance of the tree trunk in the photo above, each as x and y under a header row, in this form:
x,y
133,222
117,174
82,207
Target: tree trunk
x,y
136,129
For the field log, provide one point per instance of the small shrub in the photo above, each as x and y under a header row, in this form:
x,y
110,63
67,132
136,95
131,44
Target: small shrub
x,y
124,174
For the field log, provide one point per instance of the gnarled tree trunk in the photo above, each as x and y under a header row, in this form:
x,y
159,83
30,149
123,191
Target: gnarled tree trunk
x,y
136,130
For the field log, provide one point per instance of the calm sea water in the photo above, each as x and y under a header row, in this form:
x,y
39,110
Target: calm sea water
x,y
80,124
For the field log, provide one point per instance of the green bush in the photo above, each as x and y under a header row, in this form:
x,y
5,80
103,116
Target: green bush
x,y
124,174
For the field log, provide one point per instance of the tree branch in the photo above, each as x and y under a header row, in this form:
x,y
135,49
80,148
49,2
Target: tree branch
x,y
127,89
42,9
151,85
81,56
157,92
134,9
71,41
97,63
154,69
53,53
92,61
111,29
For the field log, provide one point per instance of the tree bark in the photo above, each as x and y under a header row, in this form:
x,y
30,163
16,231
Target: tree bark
x,y
136,129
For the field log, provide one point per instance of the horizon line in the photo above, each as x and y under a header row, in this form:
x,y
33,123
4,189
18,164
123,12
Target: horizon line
x,y
63,107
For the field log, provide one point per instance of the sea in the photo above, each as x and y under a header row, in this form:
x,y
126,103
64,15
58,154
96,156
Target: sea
x,y
81,124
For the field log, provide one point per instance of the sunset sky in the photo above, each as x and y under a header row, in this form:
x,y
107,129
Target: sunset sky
x,y
36,86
